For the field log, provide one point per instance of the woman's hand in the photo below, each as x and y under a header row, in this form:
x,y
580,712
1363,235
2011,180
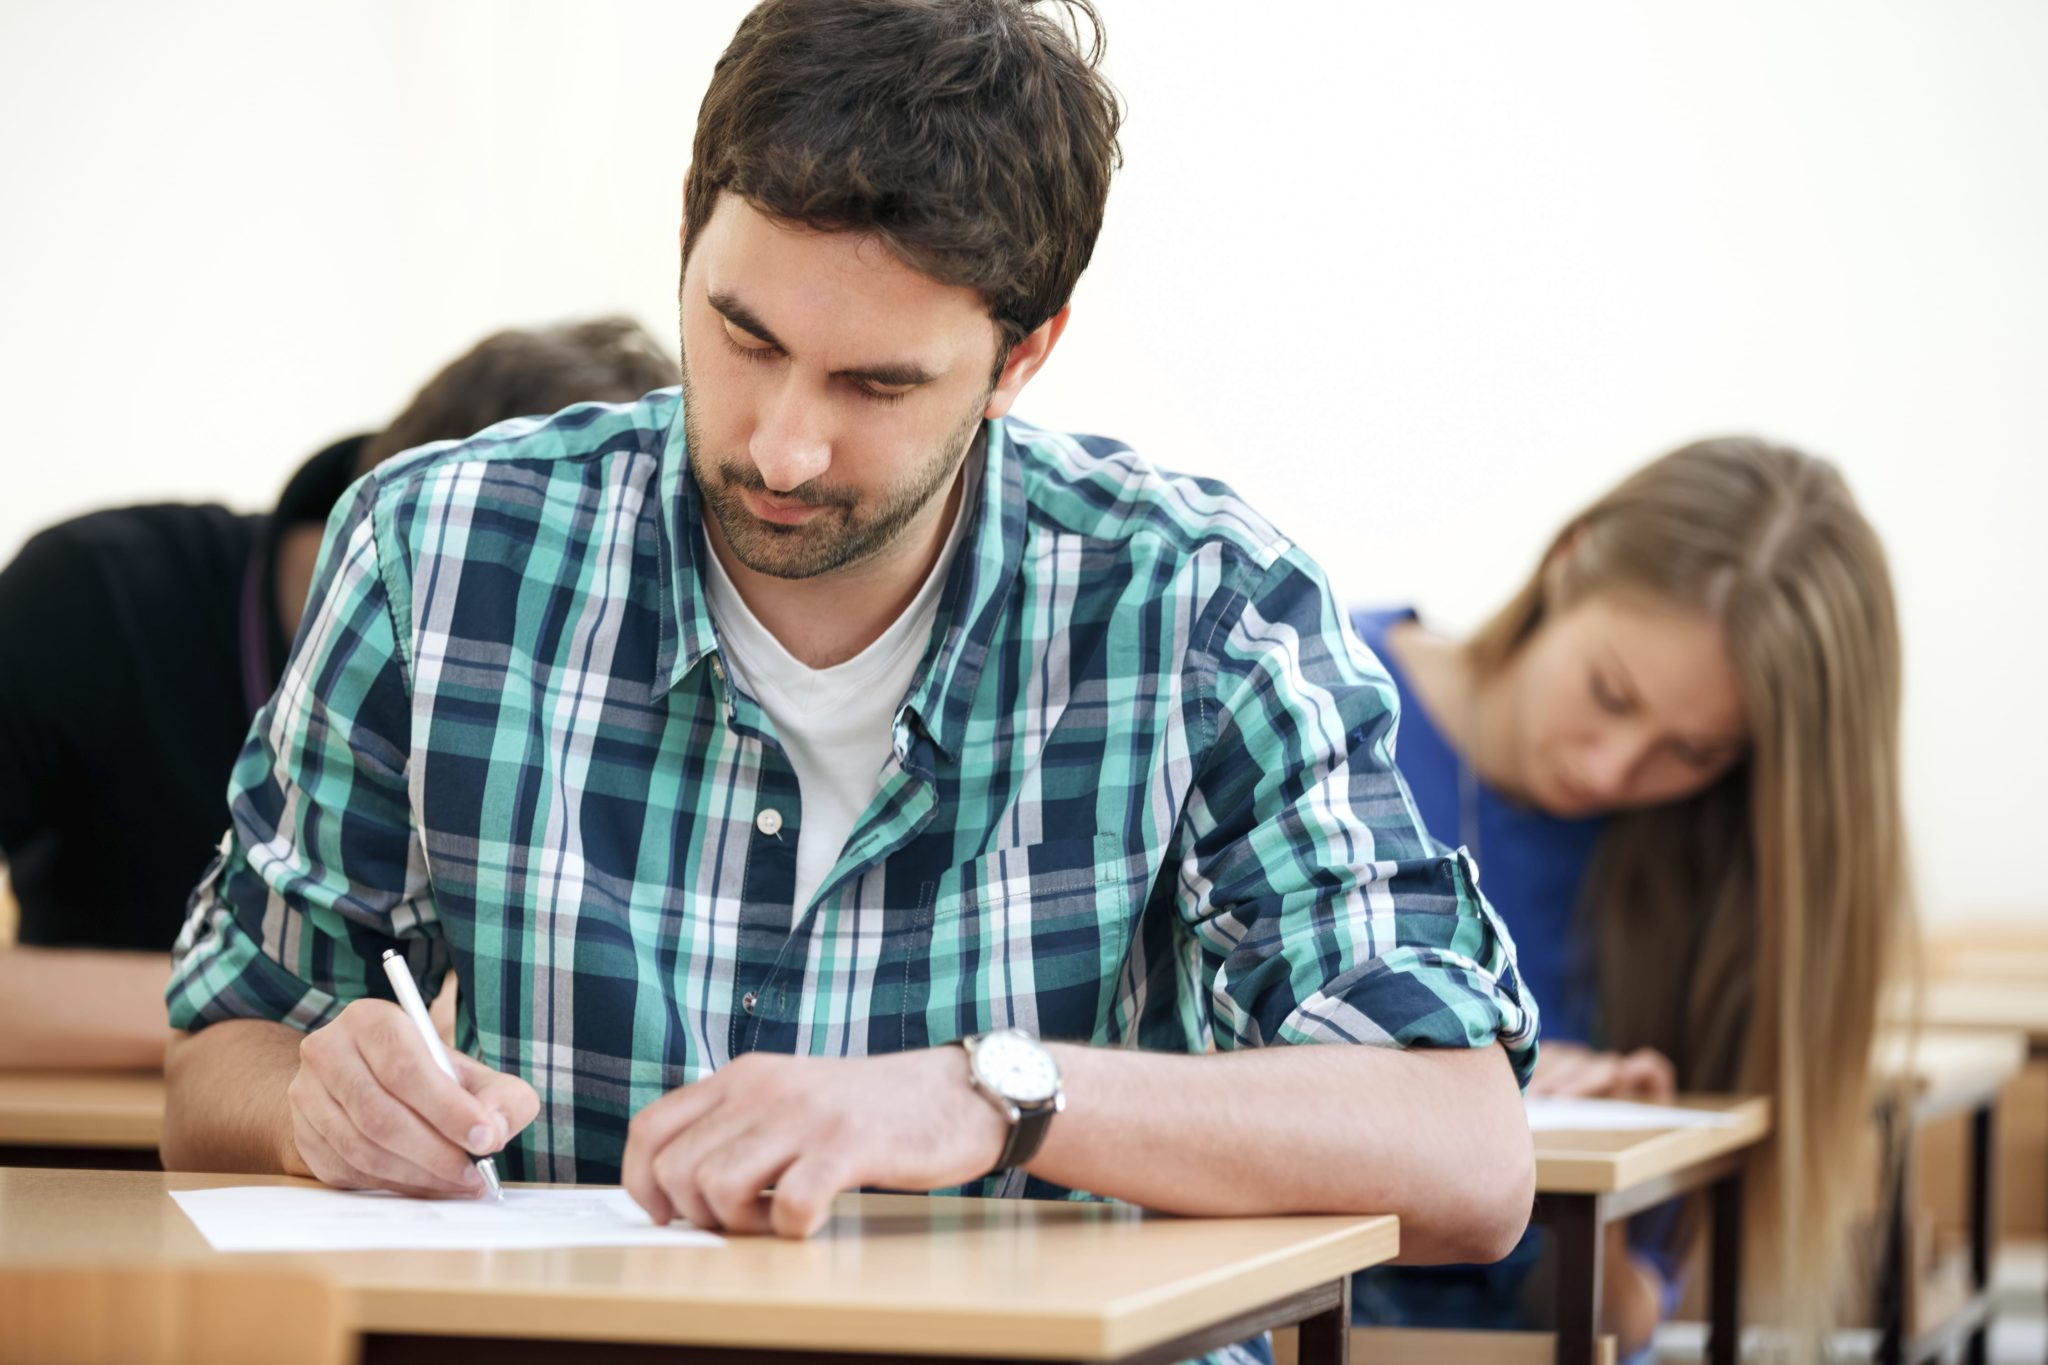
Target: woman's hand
x,y
1574,1071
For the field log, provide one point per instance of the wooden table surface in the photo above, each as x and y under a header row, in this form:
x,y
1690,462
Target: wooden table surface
x,y
1999,1003
889,1273
1603,1162
1951,1069
110,1109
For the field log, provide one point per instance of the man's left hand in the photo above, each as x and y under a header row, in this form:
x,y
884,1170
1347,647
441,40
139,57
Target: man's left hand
x,y
766,1143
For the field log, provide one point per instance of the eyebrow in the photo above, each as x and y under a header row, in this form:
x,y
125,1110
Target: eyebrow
x,y
889,375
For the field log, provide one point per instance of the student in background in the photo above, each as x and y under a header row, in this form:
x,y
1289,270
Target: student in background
x,y
1675,756
135,646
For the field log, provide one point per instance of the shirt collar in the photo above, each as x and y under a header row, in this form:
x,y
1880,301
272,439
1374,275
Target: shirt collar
x,y
686,631
978,590
970,609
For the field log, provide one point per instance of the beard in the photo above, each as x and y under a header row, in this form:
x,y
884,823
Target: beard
x,y
849,528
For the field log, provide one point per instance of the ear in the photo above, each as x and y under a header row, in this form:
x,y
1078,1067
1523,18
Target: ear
x,y
683,219
1025,358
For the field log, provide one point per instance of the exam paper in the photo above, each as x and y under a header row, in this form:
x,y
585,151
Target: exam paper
x,y
288,1218
1548,1114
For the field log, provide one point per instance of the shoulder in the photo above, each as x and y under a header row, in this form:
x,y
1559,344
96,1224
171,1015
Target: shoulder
x,y
144,549
1102,491
1374,623
582,444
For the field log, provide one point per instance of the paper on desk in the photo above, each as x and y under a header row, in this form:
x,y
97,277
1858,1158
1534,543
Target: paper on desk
x,y
291,1218
1549,1114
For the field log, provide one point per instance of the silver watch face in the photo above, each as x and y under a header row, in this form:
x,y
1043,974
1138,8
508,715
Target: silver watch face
x,y
1016,1066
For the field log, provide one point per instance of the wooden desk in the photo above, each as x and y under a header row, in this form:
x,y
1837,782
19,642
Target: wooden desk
x,y
893,1275
1585,1181
2018,1003
1938,1073
100,1120
2015,998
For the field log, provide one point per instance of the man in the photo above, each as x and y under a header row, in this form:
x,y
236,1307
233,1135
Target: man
x,y
743,749
135,645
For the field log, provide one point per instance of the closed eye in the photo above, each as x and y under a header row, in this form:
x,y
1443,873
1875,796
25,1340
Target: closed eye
x,y
745,344
1606,698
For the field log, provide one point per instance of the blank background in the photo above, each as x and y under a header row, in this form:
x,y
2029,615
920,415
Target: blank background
x,y
1418,280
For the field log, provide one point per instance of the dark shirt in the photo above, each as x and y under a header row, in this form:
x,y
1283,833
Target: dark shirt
x,y
130,643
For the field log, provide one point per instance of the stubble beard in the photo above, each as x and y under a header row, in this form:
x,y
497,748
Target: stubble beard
x,y
846,531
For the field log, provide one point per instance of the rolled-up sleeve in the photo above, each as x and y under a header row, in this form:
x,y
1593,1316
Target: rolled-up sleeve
x,y
1324,912
320,870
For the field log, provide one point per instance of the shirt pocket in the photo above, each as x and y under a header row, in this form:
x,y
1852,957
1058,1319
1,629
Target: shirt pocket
x,y
1030,937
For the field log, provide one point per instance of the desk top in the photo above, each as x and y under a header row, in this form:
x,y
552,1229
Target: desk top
x,y
1951,1069
113,1109
2000,1003
1604,1162
893,1273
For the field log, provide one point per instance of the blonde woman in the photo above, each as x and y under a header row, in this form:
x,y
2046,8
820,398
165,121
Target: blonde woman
x,y
1674,754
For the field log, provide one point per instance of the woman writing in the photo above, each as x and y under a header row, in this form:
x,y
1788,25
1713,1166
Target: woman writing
x,y
1674,755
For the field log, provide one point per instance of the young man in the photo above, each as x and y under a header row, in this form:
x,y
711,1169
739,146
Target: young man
x,y
743,750
135,645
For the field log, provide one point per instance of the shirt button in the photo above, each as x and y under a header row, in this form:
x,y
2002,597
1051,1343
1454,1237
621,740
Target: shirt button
x,y
769,822
748,1001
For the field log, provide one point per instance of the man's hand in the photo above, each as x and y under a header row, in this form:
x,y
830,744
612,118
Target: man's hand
x,y
370,1110
809,1127
1569,1070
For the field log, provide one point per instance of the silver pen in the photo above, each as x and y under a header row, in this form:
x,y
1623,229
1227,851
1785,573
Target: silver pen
x,y
416,1009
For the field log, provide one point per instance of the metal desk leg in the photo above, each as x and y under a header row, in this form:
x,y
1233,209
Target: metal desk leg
x,y
1983,1213
1724,1287
1326,1338
1579,1239
1897,1138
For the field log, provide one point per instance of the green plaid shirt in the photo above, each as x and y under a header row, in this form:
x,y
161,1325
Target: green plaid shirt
x,y
1142,792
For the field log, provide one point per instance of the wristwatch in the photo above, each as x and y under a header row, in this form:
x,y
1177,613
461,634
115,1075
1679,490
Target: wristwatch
x,y
1021,1079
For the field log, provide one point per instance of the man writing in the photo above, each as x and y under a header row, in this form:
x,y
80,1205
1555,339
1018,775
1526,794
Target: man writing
x,y
742,750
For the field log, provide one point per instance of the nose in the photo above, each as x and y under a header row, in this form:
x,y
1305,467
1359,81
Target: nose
x,y
1609,766
790,446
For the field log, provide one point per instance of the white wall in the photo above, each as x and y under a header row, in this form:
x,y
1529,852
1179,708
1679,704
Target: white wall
x,y
1418,279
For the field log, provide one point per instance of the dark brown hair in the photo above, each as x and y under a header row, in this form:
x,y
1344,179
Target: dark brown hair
x,y
524,372
975,138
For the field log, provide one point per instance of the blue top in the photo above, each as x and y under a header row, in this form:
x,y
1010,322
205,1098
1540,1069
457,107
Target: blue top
x,y
1531,865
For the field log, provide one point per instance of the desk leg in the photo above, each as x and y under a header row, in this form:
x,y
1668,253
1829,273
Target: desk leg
x,y
1326,1338
1983,1213
1580,1238
1897,1139
1724,1286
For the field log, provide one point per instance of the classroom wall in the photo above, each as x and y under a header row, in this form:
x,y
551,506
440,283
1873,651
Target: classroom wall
x,y
1419,280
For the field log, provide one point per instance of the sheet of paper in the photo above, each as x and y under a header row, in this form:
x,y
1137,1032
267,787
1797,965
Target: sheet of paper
x,y
286,1218
1548,1114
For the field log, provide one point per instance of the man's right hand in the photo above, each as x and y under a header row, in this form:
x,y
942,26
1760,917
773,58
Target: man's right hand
x,y
370,1110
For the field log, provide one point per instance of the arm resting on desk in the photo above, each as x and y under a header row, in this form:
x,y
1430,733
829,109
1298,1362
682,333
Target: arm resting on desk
x,y
82,1008
1435,1135
226,1106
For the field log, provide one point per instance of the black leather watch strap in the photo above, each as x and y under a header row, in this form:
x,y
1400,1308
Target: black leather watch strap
x,y
1027,1135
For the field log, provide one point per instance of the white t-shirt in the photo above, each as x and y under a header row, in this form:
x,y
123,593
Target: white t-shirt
x,y
834,723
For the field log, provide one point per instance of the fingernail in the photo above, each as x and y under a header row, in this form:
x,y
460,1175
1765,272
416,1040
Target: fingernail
x,y
472,1176
504,1128
480,1138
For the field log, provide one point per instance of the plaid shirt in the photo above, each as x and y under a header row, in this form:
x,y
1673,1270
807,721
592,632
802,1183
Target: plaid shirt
x,y
1141,794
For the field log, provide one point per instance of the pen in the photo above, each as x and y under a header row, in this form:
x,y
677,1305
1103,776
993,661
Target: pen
x,y
416,1009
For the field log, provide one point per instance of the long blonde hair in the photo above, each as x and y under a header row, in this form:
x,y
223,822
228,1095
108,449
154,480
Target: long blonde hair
x,y
1752,931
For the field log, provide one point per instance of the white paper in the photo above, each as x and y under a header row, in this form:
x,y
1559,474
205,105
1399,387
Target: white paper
x,y
1549,1114
291,1218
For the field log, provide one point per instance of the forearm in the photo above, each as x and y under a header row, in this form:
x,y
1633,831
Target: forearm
x,y
1436,1136
82,1008
227,1107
